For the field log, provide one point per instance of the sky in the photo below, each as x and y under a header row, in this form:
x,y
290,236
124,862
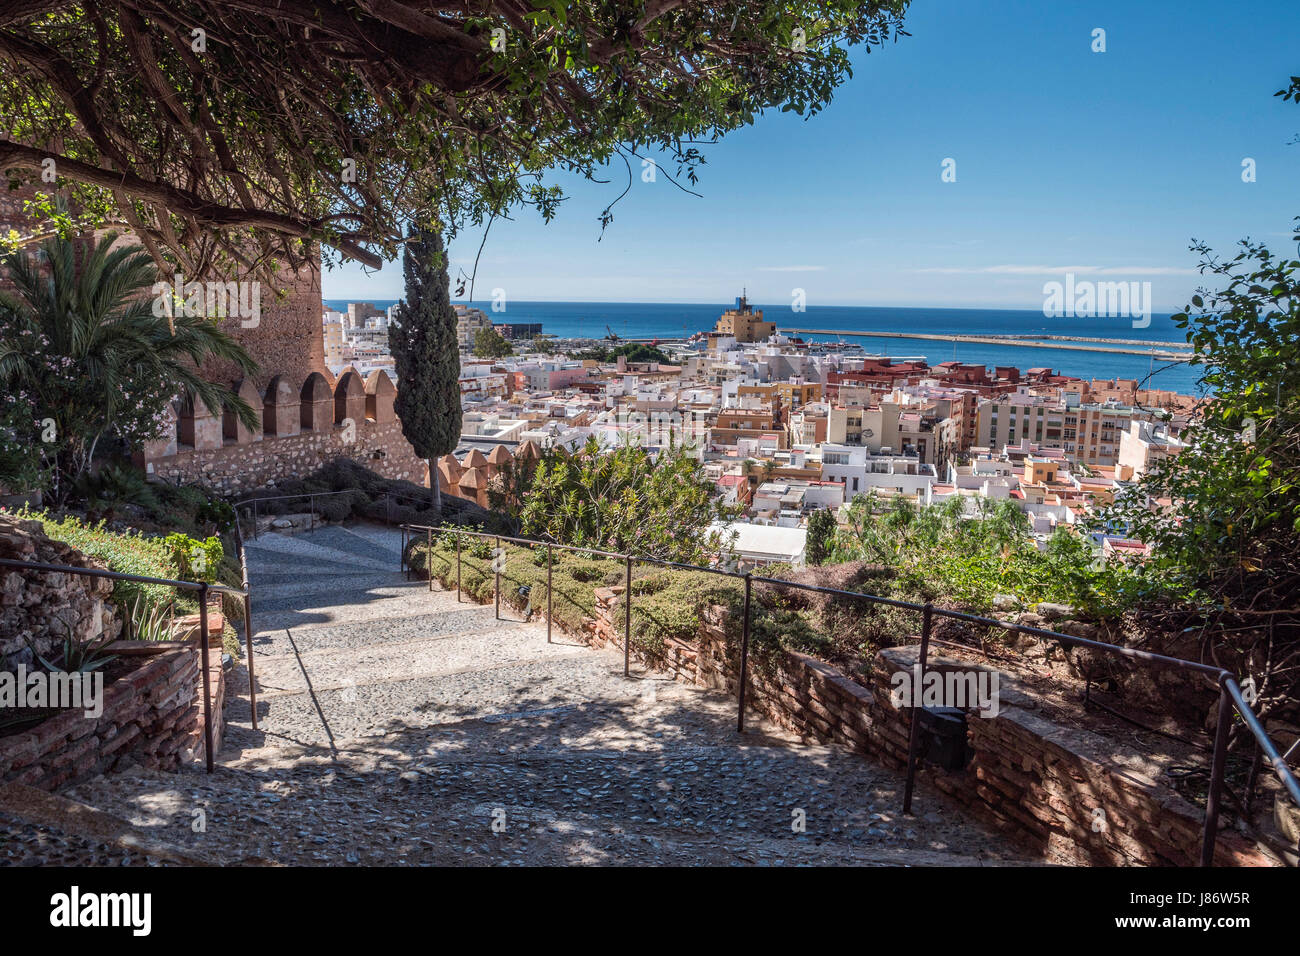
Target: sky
x,y
1104,164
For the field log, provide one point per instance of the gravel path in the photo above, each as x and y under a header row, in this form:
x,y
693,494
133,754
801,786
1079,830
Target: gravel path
x,y
398,726
23,843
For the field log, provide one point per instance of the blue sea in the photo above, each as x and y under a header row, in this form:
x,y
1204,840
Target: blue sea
x,y
643,320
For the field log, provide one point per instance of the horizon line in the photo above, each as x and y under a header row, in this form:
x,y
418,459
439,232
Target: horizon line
x,y
941,308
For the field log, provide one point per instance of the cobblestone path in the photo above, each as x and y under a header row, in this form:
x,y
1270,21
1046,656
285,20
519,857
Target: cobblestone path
x,y
399,726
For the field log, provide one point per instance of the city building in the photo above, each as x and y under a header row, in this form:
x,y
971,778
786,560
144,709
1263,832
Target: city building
x,y
741,324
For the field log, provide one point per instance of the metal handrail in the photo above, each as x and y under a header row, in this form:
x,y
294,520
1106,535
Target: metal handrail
x,y
311,497
248,618
202,587
1230,695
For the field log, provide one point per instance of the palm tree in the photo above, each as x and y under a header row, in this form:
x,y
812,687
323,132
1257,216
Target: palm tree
x,y
82,347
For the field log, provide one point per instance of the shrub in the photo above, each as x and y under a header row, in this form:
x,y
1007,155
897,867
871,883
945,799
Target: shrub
x,y
127,552
196,560
667,604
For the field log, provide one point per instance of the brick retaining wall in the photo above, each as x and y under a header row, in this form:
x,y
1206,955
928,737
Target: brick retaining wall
x,y
152,716
1072,795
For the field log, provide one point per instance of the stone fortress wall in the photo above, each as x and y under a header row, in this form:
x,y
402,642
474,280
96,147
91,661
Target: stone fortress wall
x,y
303,424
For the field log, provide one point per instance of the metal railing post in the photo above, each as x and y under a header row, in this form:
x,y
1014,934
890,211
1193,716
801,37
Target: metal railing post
x,y
744,658
428,557
311,510
927,614
207,689
496,579
550,552
627,619
1215,797
248,643
1252,779
457,567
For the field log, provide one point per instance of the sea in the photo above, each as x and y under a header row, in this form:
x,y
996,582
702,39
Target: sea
x,y
650,320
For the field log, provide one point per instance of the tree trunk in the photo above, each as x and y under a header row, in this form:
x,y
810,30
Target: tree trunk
x,y
437,491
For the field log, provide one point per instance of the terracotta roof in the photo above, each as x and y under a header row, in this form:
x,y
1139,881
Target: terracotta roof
x,y
475,459
500,455
472,479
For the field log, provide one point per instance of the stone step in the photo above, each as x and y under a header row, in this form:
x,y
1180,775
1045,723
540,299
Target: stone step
x,y
388,538
569,806
432,620
311,566
396,599
397,705
309,586
358,547
267,579
334,668
278,549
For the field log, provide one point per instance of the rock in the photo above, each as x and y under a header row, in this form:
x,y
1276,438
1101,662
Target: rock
x,y
1287,817
1079,629
281,523
1005,602
1053,612
1030,619
1086,663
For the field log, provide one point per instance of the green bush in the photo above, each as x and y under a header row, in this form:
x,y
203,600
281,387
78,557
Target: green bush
x,y
125,552
196,560
666,603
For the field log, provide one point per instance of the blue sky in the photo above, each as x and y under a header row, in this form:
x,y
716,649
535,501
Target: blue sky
x,y
1104,164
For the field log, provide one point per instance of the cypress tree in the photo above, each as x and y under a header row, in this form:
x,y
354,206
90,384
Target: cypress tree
x,y
426,353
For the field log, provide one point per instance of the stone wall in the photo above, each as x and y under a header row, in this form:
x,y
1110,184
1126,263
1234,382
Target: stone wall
x,y
303,424
288,338
37,609
1075,796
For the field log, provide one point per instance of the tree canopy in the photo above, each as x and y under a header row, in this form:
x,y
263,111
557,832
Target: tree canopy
x,y
491,344
625,499
245,131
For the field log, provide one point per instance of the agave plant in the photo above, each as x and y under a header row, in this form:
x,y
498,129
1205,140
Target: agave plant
x,y
79,656
150,621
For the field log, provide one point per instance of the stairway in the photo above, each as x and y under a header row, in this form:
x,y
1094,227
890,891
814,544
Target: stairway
x,y
400,726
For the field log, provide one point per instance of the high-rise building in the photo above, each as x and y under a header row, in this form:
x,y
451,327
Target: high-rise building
x,y
468,322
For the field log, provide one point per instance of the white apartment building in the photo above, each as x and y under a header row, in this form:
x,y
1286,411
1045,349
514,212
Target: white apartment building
x,y
1145,443
860,472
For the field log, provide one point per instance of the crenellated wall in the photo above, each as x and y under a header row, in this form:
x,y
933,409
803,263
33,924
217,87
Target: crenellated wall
x,y
302,425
